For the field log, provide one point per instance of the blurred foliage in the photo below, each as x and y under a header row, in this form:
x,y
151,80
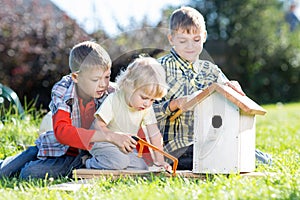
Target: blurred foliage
x,y
35,40
249,40
261,53
134,40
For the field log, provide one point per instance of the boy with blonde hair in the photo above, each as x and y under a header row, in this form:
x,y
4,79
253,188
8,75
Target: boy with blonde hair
x,y
186,74
126,110
74,100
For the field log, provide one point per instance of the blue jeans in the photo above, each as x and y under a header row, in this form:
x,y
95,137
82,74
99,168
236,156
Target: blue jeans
x,y
52,167
29,166
12,165
262,157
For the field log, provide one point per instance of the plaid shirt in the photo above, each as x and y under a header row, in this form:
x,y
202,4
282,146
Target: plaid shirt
x,y
64,98
184,78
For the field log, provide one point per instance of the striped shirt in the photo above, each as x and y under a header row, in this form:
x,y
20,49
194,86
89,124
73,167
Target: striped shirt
x,y
184,78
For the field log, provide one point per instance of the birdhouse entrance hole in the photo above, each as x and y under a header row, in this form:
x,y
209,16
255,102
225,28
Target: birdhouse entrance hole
x,y
216,121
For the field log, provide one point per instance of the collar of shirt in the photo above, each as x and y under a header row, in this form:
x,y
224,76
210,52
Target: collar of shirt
x,y
183,64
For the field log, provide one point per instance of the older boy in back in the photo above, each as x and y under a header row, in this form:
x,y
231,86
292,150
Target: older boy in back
x,y
75,99
186,74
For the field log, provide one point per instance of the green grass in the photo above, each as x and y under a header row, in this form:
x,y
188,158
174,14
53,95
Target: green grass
x,y
278,133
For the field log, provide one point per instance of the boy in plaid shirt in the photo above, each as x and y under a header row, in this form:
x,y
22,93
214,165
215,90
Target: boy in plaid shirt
x,y
74,101
187,74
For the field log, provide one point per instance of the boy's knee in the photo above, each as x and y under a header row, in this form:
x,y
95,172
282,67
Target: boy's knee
x,y
26,174
32,150
32,170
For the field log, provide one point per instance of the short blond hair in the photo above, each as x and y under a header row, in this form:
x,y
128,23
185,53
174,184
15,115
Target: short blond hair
x,y
144,73
88,54
188,19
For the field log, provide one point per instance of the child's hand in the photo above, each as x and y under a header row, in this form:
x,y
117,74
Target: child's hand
x,y
178,103
125,142
165,165
111,89
236,86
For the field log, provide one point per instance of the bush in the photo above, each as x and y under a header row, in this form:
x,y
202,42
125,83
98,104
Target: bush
x,y
35,40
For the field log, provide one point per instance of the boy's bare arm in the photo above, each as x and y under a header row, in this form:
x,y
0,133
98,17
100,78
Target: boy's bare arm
x,y
156,139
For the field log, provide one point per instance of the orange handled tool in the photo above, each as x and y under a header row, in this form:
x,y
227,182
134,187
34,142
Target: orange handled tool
x,y
143,142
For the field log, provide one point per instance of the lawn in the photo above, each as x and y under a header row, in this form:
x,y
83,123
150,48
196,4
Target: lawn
x,y
278,133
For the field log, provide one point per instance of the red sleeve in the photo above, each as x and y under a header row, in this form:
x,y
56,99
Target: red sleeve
x,y
68,134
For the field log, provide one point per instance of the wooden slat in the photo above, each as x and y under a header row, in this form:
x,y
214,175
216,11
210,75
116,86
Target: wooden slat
x,y
94,173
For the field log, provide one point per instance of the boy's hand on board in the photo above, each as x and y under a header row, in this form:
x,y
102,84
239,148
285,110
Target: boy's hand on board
x,y
178,103
236,86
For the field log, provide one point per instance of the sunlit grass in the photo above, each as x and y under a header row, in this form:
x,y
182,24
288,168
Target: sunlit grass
x,y
19,130
278,133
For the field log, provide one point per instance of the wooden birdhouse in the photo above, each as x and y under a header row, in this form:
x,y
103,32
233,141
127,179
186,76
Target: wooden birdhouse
x,y
224,130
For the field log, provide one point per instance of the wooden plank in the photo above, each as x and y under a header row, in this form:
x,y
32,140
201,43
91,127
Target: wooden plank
x,y
94,173
110,172
90,173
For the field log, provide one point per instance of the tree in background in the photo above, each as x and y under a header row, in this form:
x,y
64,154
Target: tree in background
x,y
137,39
35,40
248,39
260,51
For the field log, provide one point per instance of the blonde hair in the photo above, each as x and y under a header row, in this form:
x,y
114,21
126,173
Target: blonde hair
x,y
188,19
88,54
144,73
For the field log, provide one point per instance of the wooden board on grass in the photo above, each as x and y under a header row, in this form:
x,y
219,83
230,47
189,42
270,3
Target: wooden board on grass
x,y
94,173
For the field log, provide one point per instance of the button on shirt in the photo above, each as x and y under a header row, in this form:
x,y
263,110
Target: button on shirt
x,y
184,78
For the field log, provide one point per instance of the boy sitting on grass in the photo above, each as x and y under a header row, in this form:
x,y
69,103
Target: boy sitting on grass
x,y
74,101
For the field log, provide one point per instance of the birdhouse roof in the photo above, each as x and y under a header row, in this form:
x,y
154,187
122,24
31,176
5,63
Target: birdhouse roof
x,y
242,101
